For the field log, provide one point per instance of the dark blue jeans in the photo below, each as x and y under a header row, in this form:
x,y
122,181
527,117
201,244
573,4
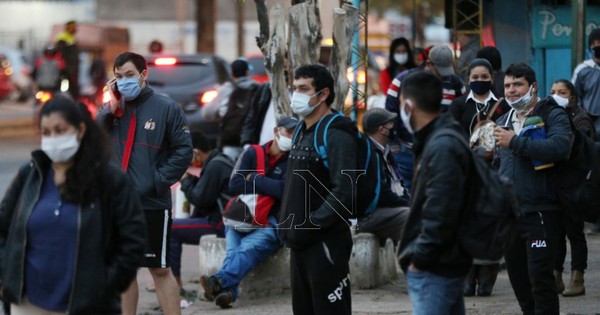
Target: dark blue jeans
x,y
189,231
431,294
244,252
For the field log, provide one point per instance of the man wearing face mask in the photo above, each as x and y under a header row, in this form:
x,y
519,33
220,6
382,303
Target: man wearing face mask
x,y
314,221
586,79
246,250
387,220
152,143
530,259
430,251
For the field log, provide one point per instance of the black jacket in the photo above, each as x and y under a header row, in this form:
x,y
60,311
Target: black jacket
x,y
325,194
535,189
256,115
110,242
440,194
387,197
465,111
209,193
162,149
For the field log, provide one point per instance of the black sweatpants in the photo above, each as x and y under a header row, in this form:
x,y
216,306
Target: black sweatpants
x,y
320,277
530,262
573,229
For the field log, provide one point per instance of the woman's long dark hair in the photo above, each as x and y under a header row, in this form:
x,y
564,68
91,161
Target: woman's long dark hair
x,y
394,68
84,179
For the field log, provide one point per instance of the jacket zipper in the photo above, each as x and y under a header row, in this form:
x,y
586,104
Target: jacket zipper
x,y
37,196
75,262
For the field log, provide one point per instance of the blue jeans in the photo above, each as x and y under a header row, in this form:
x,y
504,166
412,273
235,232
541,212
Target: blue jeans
x,y
404,158
431,294
244,252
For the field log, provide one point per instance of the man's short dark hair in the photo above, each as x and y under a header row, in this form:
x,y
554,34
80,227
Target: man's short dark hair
x,y
322,78
491,54
239,68
520,70
200,142
425,89
138,61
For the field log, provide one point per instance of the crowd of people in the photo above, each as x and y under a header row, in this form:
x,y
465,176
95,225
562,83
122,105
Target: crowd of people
x,y
105,186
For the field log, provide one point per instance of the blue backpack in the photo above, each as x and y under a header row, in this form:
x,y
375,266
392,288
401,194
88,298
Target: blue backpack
x,y
367,189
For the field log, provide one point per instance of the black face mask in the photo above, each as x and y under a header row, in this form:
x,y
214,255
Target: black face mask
x,y
596,52
480,87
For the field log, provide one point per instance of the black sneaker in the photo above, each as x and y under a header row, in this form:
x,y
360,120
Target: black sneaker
x,y
225,299
211,287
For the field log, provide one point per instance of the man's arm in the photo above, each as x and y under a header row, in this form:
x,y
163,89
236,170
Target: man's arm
x,y
446,189
179,154
340,199
557,145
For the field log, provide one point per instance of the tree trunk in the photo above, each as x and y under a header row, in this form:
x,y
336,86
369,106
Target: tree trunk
x,y
206,15
274,51
305,34
345,22
263,22
239,15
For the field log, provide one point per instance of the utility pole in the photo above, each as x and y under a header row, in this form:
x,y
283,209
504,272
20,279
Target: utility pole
x,y
206,20
578,35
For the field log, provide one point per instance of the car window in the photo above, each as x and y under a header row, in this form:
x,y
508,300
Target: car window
x,y
179,74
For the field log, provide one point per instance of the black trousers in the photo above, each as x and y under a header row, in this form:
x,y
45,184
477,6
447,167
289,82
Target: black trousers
x,y
530,262
320,277
573,229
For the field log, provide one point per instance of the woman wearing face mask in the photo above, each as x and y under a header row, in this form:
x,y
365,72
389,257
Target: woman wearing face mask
x,y
479,104
480,100
71,223
400,58
563,93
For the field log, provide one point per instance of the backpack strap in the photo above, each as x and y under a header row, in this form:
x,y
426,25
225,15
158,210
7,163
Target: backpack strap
x,y
320,142
261,163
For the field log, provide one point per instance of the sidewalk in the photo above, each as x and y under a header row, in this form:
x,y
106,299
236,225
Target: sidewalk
x,y
390,299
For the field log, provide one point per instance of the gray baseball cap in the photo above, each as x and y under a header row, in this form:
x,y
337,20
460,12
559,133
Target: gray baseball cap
x,y
442,59
376,117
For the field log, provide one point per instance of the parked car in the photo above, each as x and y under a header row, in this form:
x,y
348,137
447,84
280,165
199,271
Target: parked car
x,y
21,73
191,80
6,85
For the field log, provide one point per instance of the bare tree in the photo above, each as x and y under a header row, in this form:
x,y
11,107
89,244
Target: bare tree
x,y
206,19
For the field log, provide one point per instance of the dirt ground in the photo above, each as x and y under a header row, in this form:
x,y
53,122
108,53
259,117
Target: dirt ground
x,y
389,299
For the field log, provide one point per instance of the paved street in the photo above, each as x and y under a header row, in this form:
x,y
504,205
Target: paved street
x,y
390,299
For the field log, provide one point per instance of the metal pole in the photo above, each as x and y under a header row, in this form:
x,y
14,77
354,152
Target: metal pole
x,y
355,63
578,38
239,10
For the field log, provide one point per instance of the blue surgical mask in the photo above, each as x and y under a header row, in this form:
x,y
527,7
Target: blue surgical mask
x,y
300,104
129,88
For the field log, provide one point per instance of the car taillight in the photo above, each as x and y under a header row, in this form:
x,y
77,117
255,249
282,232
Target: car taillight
x,y
165,61
207,96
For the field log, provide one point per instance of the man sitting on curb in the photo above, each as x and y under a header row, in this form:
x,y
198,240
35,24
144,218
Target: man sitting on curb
x,y
208,194
246,250
387,220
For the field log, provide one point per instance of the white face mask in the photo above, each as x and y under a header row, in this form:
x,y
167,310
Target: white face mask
x,y
300,105
406,117
523,102
561,101
284,143
401,58
60,148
